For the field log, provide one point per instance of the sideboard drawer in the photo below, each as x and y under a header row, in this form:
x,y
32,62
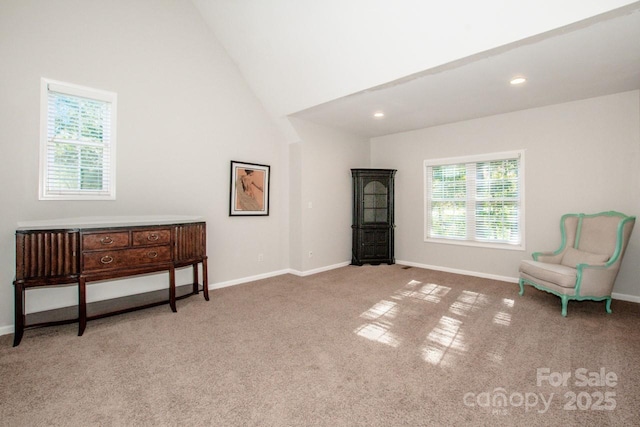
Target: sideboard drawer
x,y
101,241
151,237
125,258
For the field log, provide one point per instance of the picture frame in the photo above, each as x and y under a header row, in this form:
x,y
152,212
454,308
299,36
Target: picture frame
x,y
249,189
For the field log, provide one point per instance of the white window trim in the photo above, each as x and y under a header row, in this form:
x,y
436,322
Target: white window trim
x,y
85,92
475,159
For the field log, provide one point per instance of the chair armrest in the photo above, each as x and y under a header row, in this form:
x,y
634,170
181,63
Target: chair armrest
x,y
595,280
550,257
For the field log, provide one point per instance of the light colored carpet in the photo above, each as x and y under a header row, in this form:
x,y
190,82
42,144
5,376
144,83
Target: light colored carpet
x,y
366,346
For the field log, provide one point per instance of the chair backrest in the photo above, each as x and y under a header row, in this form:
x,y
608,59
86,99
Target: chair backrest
x,y
604,233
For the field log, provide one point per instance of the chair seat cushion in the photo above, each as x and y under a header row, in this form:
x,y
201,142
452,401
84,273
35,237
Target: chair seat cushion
x,y
555,273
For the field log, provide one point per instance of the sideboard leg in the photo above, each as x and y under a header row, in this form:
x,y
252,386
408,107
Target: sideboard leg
x,y
19,314
172,288
195,278
205,279
82,305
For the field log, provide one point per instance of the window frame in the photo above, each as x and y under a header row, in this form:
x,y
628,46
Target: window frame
x,y
470,240
74,90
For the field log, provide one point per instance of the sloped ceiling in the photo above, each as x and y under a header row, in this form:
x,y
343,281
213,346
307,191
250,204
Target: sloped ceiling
x,y
424,63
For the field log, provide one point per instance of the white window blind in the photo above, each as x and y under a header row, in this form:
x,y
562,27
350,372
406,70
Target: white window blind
x,y
78,143
448,201
476,199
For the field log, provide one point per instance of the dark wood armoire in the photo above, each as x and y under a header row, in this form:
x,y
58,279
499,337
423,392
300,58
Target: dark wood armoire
x,y
372,216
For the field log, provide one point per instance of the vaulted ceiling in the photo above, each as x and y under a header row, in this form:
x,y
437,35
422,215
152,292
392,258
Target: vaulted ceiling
x,y
429,64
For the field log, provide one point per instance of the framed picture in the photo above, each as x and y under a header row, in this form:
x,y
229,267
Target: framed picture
x,y
249,195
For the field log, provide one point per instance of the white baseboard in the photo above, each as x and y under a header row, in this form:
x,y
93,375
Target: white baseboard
x,y
247,279
625,297
276,273
6,330
458,271
318,270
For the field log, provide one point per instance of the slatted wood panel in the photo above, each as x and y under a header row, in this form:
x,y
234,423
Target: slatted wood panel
x,y
189,241
47,254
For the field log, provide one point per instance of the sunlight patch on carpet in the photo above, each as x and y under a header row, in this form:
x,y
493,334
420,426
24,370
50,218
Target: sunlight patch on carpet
x,y
444,343
381,314
378,332
502,318
468,302
508,302
384,308
429,292
384,311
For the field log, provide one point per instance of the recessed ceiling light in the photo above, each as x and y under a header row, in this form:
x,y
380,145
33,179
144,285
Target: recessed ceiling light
x,y
378,114
517,80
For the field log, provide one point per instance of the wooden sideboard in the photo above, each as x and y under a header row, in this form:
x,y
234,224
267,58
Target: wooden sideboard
x,y
64,255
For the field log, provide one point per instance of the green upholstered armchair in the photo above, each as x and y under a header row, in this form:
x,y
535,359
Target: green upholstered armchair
x,y
588,260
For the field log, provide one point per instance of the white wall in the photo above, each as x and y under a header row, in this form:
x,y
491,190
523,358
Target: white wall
x,y
184,112
322,199
581,156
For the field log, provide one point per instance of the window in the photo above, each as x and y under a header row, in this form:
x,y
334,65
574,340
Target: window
x,y
476,200
77,142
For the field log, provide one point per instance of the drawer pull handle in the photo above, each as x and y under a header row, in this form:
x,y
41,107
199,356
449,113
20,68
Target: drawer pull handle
x,y
153,254
106,259
106,240
153,237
